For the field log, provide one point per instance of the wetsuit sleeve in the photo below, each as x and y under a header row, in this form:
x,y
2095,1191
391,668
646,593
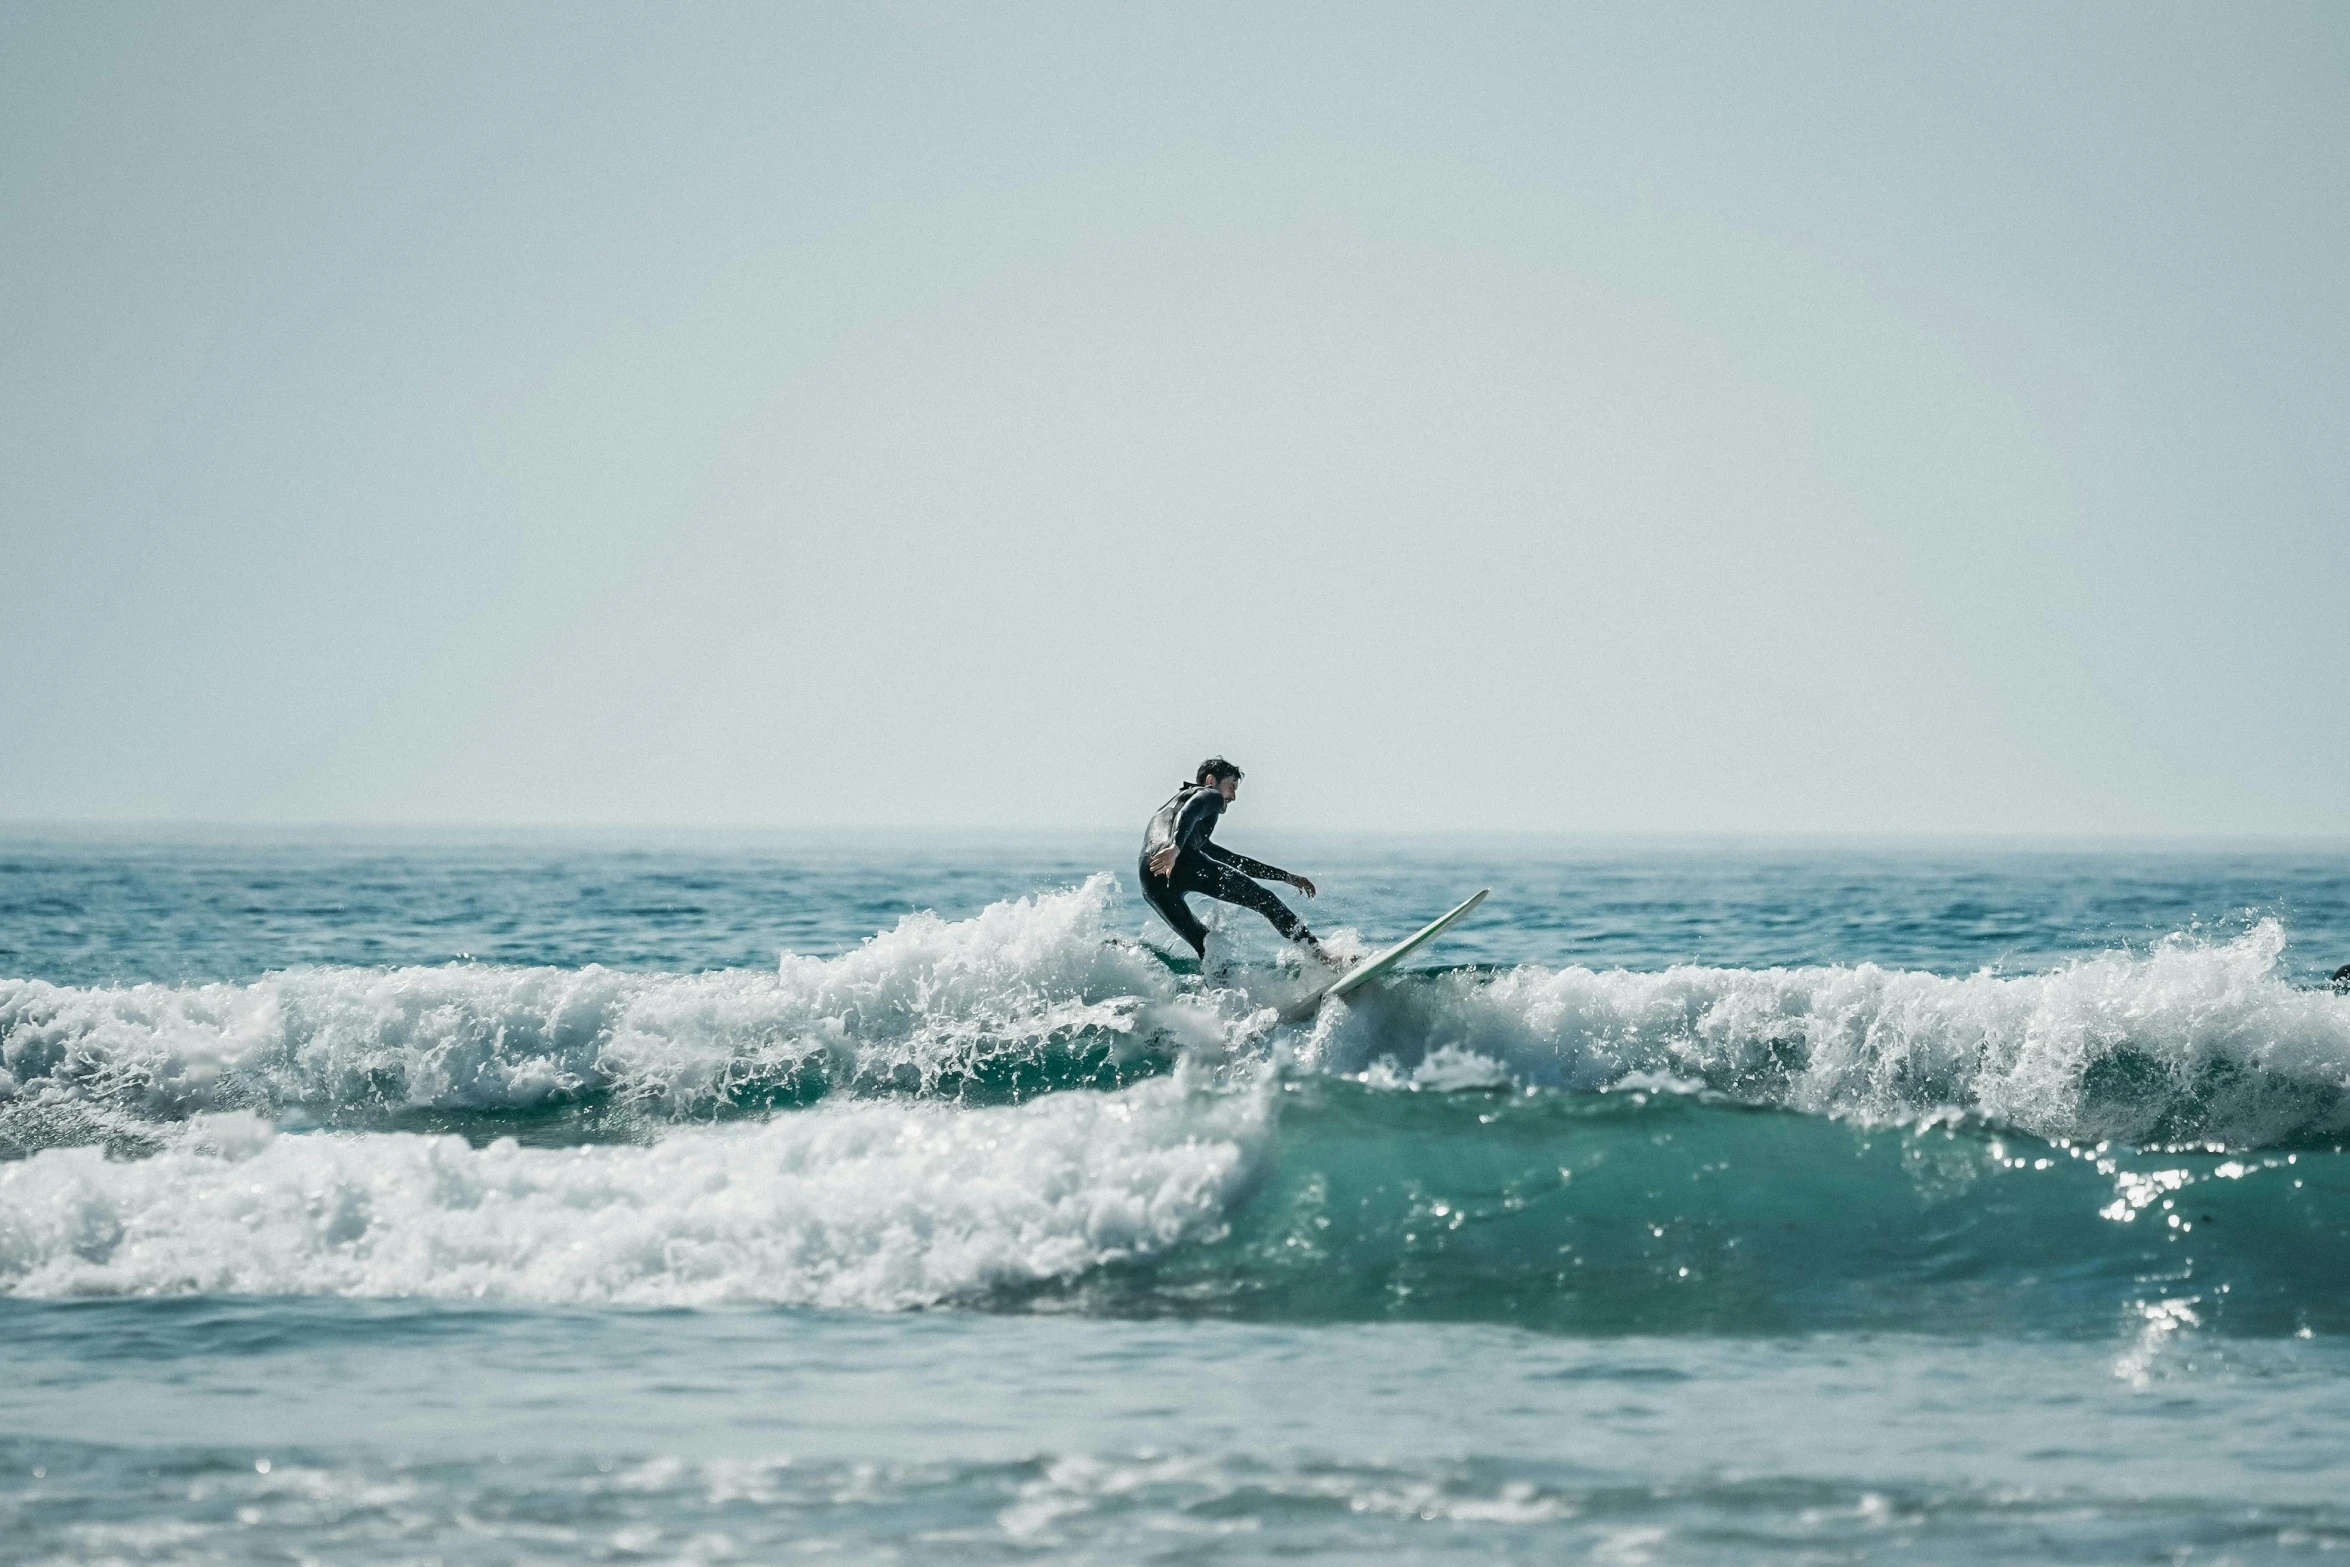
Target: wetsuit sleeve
x,y
1242,863
1198,819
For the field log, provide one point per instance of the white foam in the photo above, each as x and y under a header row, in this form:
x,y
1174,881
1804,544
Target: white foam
x,y
869,1204
2195,1038
2211,1030
929,997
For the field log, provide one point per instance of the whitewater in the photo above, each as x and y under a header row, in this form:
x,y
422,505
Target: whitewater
x,y
2198,1038
1745,1115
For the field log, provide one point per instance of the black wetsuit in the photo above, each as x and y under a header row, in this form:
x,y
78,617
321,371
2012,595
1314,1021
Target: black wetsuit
x,y
1201,865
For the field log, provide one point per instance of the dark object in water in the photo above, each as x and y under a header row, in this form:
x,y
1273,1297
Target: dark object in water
x,y
2342,979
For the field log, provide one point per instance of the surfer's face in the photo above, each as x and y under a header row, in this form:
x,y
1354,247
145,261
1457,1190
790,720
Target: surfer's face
x,y
1229,788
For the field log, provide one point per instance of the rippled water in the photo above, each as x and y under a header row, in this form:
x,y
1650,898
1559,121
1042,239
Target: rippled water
x,y
398,1199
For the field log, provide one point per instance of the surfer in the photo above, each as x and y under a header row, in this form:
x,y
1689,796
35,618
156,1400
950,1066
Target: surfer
x,y
1179,857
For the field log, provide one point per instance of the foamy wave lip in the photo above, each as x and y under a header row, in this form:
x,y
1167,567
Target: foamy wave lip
x,y
928,998
859,1204
2190,1041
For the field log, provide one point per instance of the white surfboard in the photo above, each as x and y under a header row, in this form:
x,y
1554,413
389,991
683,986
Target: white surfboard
x,y
1377,964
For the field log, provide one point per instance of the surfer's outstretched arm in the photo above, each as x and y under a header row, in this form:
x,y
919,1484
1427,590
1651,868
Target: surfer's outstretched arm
x,y
1257,868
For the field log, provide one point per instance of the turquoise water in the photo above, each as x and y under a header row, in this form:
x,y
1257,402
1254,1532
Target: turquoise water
x,y
901,1199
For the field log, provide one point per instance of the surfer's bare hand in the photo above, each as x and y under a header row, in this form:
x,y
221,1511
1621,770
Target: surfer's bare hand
x,y
1303,885
1163,861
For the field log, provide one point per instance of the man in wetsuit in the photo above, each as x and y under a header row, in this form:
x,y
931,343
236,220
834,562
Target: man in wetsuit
x,y
1178,857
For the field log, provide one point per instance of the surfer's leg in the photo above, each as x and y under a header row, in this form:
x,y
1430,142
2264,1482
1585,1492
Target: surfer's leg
x,y
1227,885
1164,897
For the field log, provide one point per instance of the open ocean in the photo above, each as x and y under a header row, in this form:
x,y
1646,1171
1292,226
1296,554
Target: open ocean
x,y
473,1199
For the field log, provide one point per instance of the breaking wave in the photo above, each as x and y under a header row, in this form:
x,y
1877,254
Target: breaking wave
x,y
879,1205
2191,1042
1260,1196
1028,994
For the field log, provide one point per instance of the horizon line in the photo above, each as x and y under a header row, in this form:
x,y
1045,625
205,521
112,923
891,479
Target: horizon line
x,y
1709,836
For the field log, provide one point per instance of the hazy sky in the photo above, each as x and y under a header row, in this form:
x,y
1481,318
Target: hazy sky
x,y
1673,418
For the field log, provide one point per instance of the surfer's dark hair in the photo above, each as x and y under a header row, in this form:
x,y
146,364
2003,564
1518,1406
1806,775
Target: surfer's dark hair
x,y
1213,768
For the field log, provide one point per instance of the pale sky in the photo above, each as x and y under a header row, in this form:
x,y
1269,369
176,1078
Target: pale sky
x,y
1728,418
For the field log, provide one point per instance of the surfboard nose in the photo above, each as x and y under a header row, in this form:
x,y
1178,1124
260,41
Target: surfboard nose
x,y
1378,963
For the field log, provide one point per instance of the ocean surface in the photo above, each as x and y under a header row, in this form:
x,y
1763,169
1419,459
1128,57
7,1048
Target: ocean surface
x,y
373,1199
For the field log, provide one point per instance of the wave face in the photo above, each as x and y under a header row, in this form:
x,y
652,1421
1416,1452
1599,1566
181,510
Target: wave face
x,y
1635,1211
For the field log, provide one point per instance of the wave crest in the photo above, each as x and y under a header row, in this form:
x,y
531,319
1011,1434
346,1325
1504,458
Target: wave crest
x,y
929,1002
2191,1041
